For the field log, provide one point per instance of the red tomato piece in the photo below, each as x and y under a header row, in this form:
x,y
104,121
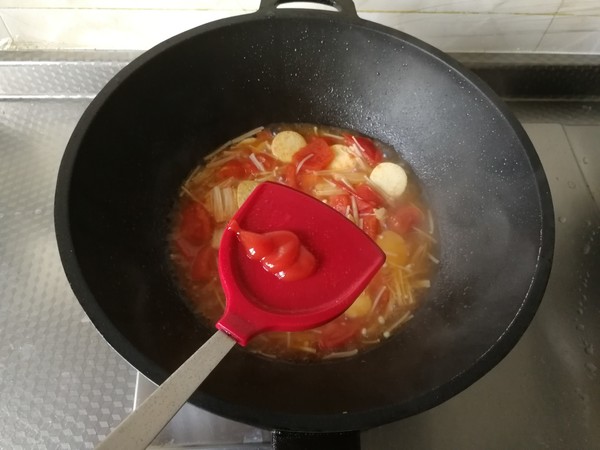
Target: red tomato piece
x,y
289,177
337,333
340,202
332,141
204,266
370,225
241,168
233,169
403,219
264,135
187,250
307,180
316,155
372,154
368,194
364,207
196,224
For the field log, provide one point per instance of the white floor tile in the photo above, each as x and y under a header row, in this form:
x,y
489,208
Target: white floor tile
x,y
572,34
5,37
132,4
580,7
470,32
100,29
473,6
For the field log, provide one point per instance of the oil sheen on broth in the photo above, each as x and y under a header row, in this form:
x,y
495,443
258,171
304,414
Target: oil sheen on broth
x,y
361,178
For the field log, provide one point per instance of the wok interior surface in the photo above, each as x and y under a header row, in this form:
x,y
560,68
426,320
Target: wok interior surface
x,y
178,102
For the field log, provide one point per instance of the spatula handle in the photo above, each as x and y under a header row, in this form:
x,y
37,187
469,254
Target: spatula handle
x,y
139,429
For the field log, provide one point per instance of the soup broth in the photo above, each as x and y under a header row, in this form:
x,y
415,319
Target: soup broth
x,y
359,177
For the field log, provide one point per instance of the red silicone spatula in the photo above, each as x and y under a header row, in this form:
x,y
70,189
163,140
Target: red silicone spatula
x,y
257,301
347,259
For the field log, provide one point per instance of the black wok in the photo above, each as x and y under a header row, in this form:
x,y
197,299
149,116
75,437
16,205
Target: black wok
x,y
179,101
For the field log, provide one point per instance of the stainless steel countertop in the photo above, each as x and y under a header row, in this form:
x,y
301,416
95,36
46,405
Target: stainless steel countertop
x,y
62,386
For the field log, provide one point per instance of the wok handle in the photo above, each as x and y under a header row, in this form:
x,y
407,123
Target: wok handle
x,y
345,7
140,428
287,440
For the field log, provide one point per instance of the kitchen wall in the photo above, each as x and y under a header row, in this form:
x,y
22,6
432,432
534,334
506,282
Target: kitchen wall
x,y
562,26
